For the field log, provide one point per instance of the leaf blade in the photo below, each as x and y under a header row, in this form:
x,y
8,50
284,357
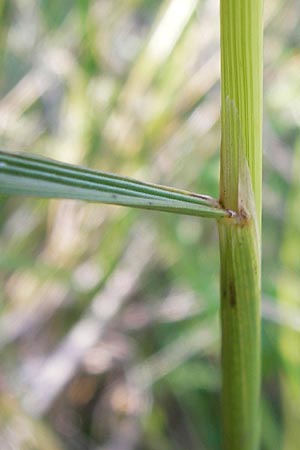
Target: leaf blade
x,y
22,174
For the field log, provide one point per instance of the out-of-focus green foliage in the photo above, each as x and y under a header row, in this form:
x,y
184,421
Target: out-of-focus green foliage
x,y
109,317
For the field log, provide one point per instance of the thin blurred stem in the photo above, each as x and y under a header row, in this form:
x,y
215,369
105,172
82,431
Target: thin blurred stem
x,y
240,190
288,290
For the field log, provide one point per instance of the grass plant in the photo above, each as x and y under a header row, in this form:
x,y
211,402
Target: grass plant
x,y
133,89
238,218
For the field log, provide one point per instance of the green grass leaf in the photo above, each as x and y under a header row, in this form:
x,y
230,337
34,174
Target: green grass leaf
x,y
24,174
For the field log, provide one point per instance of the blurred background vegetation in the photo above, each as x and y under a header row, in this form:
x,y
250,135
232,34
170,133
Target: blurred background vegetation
x,y
109,333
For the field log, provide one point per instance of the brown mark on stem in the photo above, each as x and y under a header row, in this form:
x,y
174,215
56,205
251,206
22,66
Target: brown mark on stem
x,y
244,216
232,293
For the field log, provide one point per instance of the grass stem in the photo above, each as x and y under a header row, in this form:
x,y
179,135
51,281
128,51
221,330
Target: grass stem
x,y
240,190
